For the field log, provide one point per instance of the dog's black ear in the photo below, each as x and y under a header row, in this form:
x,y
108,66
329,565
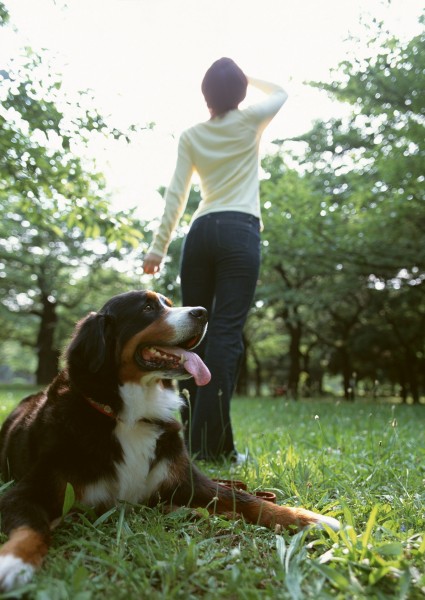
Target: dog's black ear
x,y
90,346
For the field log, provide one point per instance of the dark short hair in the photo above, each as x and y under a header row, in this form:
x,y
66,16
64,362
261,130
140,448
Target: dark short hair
x,y
224,86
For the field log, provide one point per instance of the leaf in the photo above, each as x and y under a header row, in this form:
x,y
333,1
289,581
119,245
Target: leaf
x,y
348,515
336,578
349,537
69,499
368,531
281,548
377,574
80,576
104,517
120,524
391,549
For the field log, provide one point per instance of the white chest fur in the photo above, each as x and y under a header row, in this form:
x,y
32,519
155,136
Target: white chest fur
x,y
135,479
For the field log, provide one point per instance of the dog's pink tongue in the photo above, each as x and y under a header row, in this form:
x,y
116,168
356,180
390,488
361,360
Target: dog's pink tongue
x,y
196,367
193,365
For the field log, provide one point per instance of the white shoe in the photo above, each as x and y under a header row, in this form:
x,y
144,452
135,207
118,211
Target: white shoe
x,y
240,458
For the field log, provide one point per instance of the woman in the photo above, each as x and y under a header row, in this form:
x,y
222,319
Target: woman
x,y
221,255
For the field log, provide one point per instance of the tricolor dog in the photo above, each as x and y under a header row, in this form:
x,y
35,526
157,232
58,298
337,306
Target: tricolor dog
x,y
106,425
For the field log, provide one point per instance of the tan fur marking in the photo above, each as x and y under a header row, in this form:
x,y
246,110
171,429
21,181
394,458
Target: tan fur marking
x,y
130,373
27,544
158,333
266,514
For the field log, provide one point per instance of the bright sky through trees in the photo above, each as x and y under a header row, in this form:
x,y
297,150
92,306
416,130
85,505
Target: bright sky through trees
x,y
144,61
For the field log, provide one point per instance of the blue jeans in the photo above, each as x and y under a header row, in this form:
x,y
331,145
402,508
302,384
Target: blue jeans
x,y
219,270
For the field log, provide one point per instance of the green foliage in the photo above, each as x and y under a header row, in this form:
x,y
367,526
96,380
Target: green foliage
x,y
372,163
58,231
69,500
4,15
42,173
344,258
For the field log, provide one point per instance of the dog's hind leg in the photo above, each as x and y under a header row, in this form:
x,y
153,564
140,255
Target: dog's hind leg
x,y
220,499
27,524
261,512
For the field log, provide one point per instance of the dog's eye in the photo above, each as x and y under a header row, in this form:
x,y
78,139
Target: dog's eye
x,y
148,307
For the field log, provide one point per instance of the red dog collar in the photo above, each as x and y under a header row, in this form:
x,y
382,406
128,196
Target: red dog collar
x,y
105,409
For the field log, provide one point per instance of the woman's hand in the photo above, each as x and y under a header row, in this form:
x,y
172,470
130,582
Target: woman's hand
x,y
152,263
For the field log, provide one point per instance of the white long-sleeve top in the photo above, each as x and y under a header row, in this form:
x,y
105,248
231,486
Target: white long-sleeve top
x,y
224,152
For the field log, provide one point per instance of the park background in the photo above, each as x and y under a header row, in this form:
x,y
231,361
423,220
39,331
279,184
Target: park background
x,y
93,96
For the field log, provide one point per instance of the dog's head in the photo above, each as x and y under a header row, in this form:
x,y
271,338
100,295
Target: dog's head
x,y
138,336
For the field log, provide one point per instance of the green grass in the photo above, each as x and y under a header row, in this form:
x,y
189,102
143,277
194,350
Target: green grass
x,y
363,463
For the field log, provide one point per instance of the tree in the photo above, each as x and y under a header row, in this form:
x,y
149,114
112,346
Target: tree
x,y
371,168
46,272
56,222
375,158
352,228
299,253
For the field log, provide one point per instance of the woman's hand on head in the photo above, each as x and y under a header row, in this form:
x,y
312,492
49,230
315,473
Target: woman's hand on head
x,y
152,263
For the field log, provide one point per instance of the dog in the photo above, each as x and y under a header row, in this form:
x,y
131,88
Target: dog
x,y
106,426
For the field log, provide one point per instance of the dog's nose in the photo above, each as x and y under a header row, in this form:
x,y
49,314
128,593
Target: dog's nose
x,y
199,312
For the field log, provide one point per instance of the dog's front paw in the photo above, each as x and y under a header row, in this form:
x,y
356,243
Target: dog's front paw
x,y
14,572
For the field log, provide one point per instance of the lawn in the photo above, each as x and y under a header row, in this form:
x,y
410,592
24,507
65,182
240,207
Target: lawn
x,y
363,463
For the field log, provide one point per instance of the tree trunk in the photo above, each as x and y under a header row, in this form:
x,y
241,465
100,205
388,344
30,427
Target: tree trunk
x,y
403,386
308,383
347,376
294,360
412,377
48,355
258,377
257,371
